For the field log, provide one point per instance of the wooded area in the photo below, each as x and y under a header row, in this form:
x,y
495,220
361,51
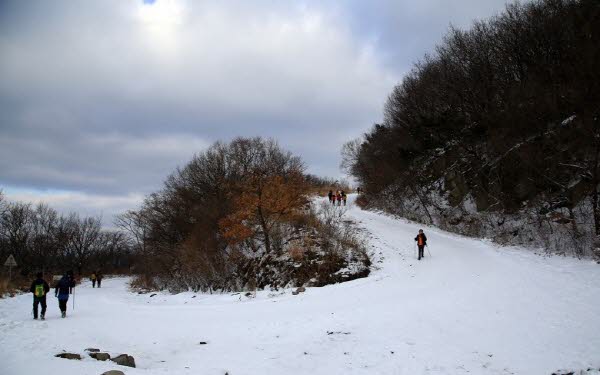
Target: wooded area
x,y
235,217
42,240
498,125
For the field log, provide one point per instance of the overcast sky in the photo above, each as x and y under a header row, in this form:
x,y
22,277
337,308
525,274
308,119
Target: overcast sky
x,y
101,100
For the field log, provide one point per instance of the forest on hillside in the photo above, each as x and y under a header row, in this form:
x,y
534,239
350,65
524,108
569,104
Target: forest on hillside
x,y
496,133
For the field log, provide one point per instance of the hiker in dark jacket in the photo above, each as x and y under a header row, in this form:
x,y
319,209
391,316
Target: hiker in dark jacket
x,y
39,288
63,288
99,277
421,243
330,195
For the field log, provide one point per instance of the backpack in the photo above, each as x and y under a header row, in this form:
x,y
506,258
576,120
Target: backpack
x,y
39,290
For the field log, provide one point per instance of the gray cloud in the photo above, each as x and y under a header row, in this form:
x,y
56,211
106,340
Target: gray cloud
x,y
403,31
105,98
65,202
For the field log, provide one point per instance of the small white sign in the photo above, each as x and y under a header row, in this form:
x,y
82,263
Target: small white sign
x,y
10,262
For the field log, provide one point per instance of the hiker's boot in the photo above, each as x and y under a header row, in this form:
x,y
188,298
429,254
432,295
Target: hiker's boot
x,y
43,317
64,314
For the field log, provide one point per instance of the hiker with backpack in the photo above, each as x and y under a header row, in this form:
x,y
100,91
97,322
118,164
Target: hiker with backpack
x,y
93,279
330,195
39,288
63,288
421,243
344,197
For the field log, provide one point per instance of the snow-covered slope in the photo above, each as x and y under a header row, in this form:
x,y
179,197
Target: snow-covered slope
x,y
470,308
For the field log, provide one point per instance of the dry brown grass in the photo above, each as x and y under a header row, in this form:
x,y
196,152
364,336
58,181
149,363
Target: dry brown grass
x,y
296,253
143,283
11,288
361,201
4,287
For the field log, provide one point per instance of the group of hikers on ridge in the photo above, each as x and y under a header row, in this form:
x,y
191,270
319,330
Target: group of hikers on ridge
x,y
62,290
337,197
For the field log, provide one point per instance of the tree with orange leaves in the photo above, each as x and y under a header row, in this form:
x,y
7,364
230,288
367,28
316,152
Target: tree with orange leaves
x,y
262,201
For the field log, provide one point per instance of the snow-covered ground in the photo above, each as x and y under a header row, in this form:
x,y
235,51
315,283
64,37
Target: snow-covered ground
x,y
470,308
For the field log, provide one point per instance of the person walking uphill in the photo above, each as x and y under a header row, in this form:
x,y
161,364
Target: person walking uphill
x,y
421,243
63,288
93,279
330,195
39,288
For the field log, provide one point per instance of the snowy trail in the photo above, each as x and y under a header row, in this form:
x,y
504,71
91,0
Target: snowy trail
x,y
470,308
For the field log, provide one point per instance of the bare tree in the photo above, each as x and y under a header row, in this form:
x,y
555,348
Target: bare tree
x,y
15,229
136,225
43,244
350,155
85,239
2,203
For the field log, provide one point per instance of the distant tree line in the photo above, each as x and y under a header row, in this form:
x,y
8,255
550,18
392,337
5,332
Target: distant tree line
x,y
502,119
42,240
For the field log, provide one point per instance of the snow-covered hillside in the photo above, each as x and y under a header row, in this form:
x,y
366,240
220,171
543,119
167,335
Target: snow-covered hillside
x,y
470,308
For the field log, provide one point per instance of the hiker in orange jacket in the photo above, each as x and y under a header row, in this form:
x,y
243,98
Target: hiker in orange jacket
x,y
421,243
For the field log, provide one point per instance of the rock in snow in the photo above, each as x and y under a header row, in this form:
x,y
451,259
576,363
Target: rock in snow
x,y
299,290
100,356
124,360
69,356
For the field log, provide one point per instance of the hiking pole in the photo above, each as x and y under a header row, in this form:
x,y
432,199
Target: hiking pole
x,y
428,252
73,299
